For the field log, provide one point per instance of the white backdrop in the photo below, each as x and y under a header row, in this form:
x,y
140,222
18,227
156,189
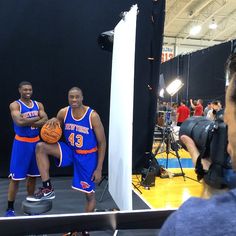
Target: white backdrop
x,y
121,111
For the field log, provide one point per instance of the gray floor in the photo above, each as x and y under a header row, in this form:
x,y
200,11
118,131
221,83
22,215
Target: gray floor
x,y
71,201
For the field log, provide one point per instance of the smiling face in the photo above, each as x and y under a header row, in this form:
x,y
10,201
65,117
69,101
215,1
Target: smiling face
x,y
75,98
230,118
26,92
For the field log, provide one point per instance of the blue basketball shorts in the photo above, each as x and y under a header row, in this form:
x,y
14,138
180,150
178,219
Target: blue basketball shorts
x,y
23,160
84,166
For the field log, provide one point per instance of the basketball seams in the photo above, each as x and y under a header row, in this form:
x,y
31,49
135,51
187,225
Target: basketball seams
x,y
51,134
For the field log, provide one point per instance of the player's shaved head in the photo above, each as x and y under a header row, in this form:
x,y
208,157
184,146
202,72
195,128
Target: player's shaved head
x,y
24,83
75,88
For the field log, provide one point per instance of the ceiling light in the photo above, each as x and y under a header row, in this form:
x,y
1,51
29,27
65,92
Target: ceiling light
x,y
213,25
195,30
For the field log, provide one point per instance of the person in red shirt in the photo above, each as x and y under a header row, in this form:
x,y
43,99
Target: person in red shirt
x,y
198,109
183,113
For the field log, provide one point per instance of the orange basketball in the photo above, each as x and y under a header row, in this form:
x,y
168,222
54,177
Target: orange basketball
x,y
51,134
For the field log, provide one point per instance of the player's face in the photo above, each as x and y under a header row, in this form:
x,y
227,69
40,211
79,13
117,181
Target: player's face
x,y
230,120
75,98
26,91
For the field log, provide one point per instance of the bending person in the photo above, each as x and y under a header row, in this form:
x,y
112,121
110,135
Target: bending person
x,y
84,148
210,216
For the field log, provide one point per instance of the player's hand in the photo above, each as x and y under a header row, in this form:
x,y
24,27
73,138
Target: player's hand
x,y
97,176
54,122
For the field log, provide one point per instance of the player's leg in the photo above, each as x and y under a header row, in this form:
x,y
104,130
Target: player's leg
x,y
90,202
32,171
43,150
62,154
12,191
18,171
30,185
84,166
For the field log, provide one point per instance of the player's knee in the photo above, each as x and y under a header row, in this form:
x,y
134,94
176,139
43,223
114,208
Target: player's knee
x,y
90,196
40,147
14,182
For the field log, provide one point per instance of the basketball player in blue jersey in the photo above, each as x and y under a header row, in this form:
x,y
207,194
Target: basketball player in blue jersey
x,y
84,148
27,115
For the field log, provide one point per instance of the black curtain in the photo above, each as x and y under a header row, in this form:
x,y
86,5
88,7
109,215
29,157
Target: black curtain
x,y
148,60
202,73
207,76
53,44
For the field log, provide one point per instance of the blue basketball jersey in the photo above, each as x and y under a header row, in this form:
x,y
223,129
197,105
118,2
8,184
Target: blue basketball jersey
x,y
79,134
27,112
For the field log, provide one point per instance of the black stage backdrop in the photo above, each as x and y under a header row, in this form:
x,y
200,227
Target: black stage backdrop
x,y
202,73
53,44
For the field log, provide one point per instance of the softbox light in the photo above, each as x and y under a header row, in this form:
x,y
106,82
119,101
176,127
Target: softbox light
x,y
174,87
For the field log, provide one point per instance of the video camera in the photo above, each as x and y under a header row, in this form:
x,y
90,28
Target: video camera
x,y
211,140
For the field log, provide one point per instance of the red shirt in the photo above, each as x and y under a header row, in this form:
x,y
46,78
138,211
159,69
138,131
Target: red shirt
x,y
198,110
183,112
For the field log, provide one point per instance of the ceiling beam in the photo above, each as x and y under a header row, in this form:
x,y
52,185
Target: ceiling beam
x,y
172,5
222,32
189,42
225,26
196,12
210,16
178,14
200,8
232,36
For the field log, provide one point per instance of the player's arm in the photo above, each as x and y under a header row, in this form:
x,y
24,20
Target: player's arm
x,y
101,140
18,118
59,119
43,116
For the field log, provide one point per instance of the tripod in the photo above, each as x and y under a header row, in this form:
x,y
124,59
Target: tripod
x,y
136,186
169,142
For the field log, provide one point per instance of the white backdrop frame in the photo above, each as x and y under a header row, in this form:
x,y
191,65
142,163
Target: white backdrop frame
x,y
121,111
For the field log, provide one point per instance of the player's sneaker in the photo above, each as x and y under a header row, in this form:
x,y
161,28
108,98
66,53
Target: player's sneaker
x,y
42,194
9,213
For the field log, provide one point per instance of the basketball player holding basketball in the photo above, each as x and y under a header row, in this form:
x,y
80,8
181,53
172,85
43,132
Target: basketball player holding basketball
x,y
84,148
27,115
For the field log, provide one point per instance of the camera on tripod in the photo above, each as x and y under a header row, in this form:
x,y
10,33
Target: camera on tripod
x,y
164,118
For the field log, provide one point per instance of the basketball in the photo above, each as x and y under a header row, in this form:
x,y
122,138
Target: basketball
x,y
51,134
